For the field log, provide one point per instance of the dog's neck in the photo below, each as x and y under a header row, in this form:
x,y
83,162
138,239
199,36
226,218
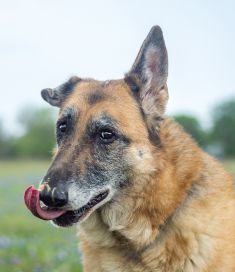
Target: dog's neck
x,y
140,213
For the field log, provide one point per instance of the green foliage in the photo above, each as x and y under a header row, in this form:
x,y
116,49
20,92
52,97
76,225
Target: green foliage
x,y
192,126
2,137
223,130
38,139
6,144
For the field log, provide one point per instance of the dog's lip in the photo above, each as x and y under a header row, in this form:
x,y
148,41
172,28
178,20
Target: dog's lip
x,y
71,217
60,217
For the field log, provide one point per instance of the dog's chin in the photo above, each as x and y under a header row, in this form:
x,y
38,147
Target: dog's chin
x,y
78,216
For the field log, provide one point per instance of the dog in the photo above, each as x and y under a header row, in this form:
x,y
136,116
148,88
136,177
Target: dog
x,y
144,196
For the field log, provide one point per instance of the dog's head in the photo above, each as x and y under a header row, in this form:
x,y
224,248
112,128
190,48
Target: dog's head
x,y
106,133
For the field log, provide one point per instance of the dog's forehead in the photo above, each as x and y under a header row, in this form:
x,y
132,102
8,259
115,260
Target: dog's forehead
x,y
92,99
90,92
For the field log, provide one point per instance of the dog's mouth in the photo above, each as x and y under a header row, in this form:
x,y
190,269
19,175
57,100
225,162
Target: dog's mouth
x,y
61,217
71,217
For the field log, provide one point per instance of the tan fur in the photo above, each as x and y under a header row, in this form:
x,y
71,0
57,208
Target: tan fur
x,y
179,213
146,196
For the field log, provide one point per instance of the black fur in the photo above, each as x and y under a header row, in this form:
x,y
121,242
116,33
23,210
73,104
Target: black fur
x,y
68,117
95,97
154,40
56,96
153,136
68,86
95,126
131,82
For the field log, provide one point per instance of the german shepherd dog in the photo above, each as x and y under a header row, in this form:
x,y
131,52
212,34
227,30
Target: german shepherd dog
x,y
144,196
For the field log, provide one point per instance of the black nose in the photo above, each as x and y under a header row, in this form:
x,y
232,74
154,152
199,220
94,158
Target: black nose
x,y
54,197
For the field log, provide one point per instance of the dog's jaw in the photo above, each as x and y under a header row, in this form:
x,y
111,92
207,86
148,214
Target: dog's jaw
x,y
79,214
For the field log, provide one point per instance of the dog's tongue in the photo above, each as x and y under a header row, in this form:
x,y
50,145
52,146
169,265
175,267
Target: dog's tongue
x,y
32,201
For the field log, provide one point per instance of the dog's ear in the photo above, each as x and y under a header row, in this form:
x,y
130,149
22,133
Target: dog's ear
x,y
56,96
148,75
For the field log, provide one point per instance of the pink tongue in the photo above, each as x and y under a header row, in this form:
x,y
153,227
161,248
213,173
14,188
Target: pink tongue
x,y
32,201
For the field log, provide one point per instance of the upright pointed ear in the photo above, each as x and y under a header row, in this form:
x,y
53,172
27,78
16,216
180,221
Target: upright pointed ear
x,y
56,96
148,75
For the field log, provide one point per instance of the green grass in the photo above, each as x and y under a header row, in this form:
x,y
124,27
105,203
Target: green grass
x,y
27,243
230,166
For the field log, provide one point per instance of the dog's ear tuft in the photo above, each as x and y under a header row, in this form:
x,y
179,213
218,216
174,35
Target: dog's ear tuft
x,y
150,71
51,96
56,96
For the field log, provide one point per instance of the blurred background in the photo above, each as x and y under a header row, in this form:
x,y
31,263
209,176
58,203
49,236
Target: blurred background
x,y
43,43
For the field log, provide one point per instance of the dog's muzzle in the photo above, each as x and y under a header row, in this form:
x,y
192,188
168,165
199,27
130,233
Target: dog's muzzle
x,y
53,197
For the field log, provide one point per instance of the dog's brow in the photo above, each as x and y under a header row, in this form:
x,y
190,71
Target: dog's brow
x,y
71,113
105,119
95,97
102,120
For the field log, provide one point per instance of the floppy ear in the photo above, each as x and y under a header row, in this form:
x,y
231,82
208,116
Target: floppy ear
x,y
56,96
148,75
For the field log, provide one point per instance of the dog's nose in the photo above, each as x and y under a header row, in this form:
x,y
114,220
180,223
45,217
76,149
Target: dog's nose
x,y
54,197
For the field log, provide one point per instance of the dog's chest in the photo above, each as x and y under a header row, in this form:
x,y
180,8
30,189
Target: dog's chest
x,y
106,250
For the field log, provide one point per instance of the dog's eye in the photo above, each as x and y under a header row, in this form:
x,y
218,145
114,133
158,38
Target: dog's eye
x,y
62,127
107,136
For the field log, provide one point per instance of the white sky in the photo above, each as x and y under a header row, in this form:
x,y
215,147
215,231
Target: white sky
x,y
43,42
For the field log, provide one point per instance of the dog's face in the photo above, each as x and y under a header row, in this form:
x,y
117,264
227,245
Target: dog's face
x,y
106,133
